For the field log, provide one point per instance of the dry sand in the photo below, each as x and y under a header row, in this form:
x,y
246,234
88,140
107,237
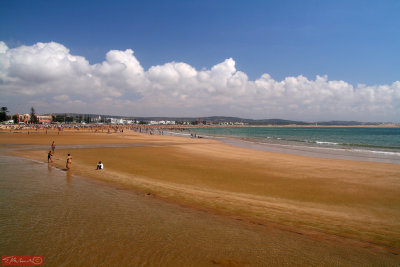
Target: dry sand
x,y
354,203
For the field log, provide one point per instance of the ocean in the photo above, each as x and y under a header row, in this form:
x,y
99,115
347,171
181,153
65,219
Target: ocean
x,y
360,143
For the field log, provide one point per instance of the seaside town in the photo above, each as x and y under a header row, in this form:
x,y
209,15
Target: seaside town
x,y
20,120
26,119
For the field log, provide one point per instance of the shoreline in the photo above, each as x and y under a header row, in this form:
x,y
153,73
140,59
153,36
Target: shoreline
x,y
300,125
339,152
315,152
335,144
26,127
163,169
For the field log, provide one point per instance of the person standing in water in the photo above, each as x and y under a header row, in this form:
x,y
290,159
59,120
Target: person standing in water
x,y
49,159
53,146
69,161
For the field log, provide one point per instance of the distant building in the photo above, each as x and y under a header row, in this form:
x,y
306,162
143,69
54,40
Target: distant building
x,y
26,118
119,121
45,119
162,122
96,119
22,118
116,121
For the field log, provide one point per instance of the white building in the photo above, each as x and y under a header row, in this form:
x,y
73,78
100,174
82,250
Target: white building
x,y
162,122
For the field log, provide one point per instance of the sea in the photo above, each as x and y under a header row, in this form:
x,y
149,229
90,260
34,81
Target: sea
x,y
354,143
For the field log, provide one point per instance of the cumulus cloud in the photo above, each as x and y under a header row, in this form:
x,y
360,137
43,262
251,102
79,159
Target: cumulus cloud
x,y
48,76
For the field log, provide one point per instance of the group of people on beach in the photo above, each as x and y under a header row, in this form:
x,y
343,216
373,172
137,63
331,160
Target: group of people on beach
x,y
100,165
51,154
97,128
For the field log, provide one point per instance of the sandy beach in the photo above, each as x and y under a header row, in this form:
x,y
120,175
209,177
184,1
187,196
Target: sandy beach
x,y
333,201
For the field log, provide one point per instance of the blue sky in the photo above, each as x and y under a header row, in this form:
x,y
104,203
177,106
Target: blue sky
x,y
357,42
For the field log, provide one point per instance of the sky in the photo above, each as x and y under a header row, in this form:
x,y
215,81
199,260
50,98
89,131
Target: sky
x,y
298,59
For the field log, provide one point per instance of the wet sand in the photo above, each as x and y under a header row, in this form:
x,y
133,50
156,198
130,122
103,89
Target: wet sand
x,y
330,201
73,221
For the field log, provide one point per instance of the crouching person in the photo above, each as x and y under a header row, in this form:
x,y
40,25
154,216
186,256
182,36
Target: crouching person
x,y
100,166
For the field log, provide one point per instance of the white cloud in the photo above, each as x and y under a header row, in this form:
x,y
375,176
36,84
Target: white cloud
x,y
47,75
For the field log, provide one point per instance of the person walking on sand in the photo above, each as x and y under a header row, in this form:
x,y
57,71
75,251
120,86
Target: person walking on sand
x,y
49,159
53,146
69,161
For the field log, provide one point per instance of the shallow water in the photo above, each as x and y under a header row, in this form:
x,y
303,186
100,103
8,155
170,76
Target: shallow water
x,y
319,152
351,143
368,138
73,221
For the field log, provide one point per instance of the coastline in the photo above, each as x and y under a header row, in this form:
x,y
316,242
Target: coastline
x,y
315,152
323,142
207,174
297,125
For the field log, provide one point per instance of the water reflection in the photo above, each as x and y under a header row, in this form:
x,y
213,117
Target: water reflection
x,y
68,175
